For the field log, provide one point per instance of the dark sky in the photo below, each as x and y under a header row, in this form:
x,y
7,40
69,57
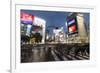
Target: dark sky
x,y
53,18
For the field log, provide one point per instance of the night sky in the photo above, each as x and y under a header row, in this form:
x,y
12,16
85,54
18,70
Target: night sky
x,y
54,19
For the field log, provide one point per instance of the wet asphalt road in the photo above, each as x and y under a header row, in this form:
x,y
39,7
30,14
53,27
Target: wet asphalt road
x,y
52,52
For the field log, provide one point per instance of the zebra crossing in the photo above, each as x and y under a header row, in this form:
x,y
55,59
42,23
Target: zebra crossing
x,y
42,53
64,57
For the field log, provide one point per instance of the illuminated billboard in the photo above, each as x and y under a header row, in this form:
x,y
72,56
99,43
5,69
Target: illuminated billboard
x,y
26,18
71,21
28,31
72,29
38,21
72,24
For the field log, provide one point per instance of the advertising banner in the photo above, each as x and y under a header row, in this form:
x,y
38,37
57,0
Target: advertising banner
x,y
26,18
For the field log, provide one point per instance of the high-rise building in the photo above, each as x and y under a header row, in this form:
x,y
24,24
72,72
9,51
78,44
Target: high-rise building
x,y
32,26
59,35
76,28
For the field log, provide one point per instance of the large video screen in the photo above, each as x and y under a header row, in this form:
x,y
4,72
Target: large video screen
x,y
71,21
72,29
72,24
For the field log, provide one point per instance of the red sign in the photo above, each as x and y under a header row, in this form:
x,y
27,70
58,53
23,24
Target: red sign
x,y
72,28
26,18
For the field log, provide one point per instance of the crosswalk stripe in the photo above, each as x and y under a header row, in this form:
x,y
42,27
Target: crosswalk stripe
x,y
63,57
58,56
73,58
55,56
85,57
81,58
